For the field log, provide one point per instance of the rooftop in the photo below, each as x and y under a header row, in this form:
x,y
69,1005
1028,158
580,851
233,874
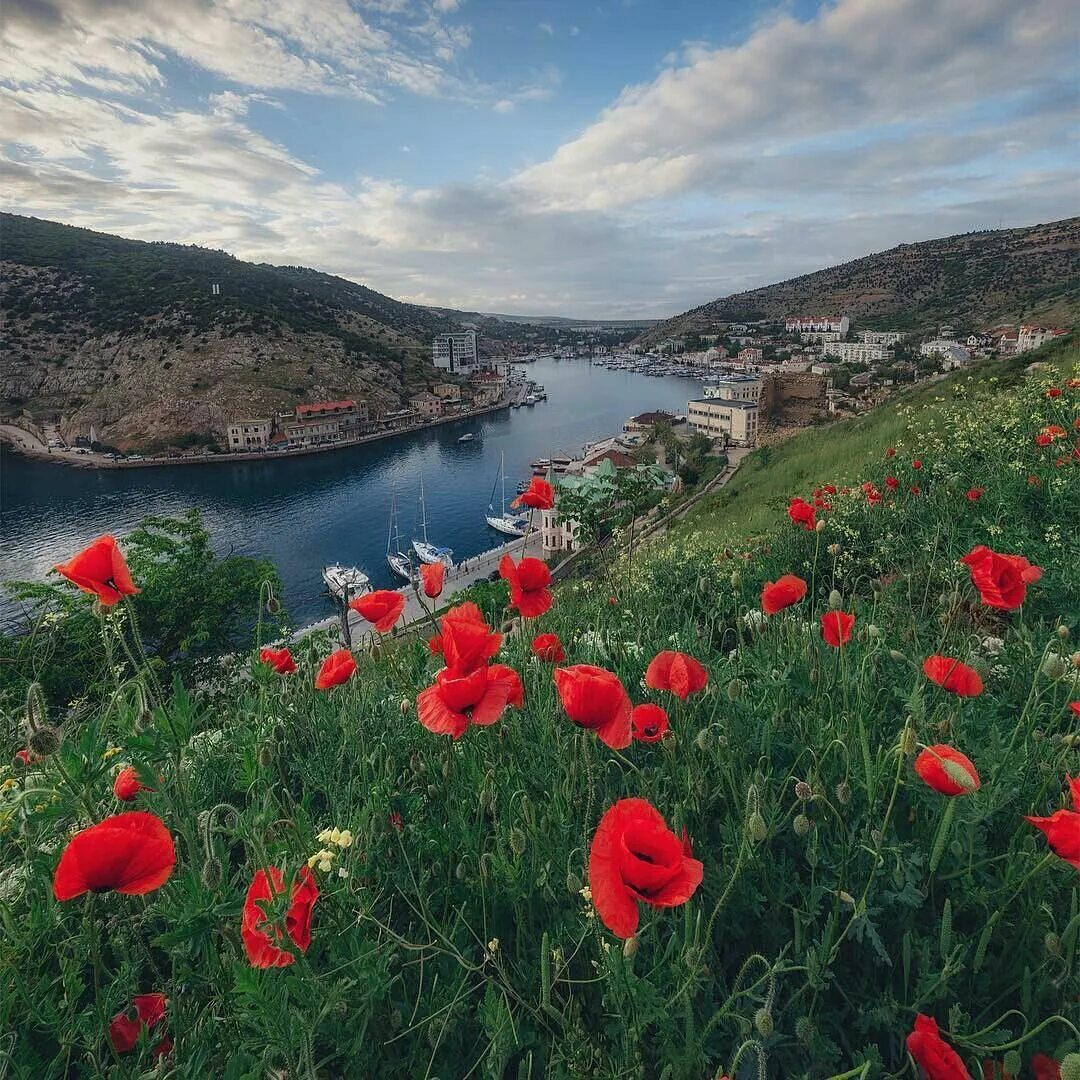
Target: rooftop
x,y
725,403
324,406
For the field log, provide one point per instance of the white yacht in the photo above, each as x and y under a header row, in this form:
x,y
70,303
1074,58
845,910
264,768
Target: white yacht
x,y
425,550
510,524
345,582
398,561
467,437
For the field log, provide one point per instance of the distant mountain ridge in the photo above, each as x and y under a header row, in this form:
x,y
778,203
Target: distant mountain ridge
x,y
133,338
976,279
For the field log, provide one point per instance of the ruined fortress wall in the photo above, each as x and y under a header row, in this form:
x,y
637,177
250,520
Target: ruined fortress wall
x,y
792,398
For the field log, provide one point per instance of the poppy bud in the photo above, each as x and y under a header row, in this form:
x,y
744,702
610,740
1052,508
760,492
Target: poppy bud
x,y
734,688
908,742
517,842
416,763
813,676
736,579
1011,1063
843,792
630,946
873,632
144,719
446,769
876,837
432,791
273,606
801,825
804,1029
395,1020
959,775
833,549
265,756
846,897
721,741
406,705
701,739
763,1022
36,716
803,791
279,733
44,740
1063,632
819,527
1076,659
230,819
211,873
461,871
573,883
836,601
487,860
1070,1067
758,829
1053,944
1053,666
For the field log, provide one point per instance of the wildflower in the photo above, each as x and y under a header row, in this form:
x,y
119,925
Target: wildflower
x,y
336,669
540,495
100,569
432,575
892,483
802,513
1075,707
635,856
124,1030
323,859
1045,1068
27,758
397,823
260,933
1062,827
939,1061
458,699
677,672
915,489
127,785
1043,439
466,639
1002,580
1053,392
130,853
530,585
974,494
281,660
891,452
595,699
782,593
916,464
836,628
952,675
548,647
648,723
1034,481
381,608
947,770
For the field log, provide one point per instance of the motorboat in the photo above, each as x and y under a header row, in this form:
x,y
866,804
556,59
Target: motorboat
x,y
345,582
426,551
542,463
467,437
396,559
510,524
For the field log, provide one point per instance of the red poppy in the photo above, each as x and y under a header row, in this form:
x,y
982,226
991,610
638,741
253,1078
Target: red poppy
x,y
635,856
953,676
127,785
991,1070
891,452
548,647
1053,392
130,853
1042,439
124,1030
892,483
27,757
677,672
829,489
916,464
336,669
530,585
873,496
540,495
1052,432
802,513
1045,1068
261,931
507,675
281,660
381,608
782,593
434,644
648,723
974,494
915,489
932,765
1062,827
432,575
458,699
1074,705
1034,481
836,628
397,823
466,640
100,569
939,1061
1002,580
595,699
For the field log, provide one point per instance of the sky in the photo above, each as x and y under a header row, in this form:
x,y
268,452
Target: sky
x,y
620,159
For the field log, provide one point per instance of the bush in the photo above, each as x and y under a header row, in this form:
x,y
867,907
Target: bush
x,y
455,933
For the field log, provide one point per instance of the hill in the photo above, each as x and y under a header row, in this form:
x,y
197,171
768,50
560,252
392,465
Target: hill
x,y
131,337
975,279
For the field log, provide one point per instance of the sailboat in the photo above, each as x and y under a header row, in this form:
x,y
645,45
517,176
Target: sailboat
x,y
511,524
397,560
425,551
345,582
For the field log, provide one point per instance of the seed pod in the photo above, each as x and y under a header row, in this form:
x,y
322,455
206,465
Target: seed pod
x,y
211,873
265,756
630,947
701,739
517,842
804,1030
758,829
836,601
44,740
1070,1067
803,791
736,579
573,883
734,689
843,793
763,1021
801,824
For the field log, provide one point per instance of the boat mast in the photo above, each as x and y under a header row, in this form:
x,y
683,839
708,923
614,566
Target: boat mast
x,y
502,476
423,509
390,531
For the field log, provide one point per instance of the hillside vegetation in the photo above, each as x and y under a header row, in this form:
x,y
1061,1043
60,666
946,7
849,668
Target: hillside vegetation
x,y
128,336
820,854
973,280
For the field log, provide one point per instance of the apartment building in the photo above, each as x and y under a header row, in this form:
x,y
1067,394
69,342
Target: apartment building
x,y
1031,337
808,324
426,406
455,353
249,435
323,423
732,421
751,355
447,391
735,388
881,337
857,352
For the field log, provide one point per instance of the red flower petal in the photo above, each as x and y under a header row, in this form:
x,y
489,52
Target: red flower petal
x,y
782,593
100,569
595,699
952,675
336,669
381,608
930,765
432,575
836,628
677,672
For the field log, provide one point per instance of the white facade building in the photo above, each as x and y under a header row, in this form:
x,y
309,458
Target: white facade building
x,y
732,421
735,388
1031,337
858,352
249,435
881,337
558,534
951,353
808,324
455,352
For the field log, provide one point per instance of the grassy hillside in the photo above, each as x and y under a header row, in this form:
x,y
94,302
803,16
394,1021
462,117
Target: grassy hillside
x,y
758,494
827,853
975,280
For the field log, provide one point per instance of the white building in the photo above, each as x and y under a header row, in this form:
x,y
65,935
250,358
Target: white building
x,y
735,388
808,324
820,335
455,352
1031,337
951,353
249,435
558,534
858,352
881,337
731,421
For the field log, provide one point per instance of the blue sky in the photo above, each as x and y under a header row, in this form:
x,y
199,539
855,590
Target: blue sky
x,y
627,157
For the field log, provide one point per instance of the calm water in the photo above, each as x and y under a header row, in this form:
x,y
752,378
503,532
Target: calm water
x,y
305,512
